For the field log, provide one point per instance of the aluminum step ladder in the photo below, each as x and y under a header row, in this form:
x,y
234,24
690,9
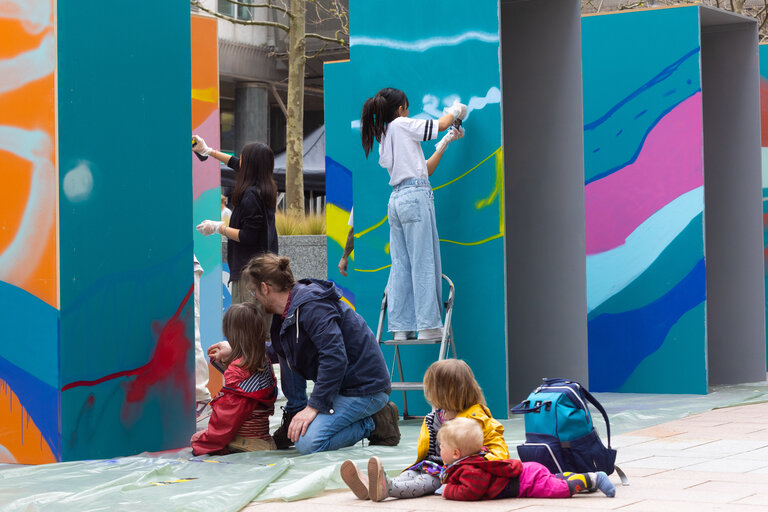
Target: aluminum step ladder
x,y
445,342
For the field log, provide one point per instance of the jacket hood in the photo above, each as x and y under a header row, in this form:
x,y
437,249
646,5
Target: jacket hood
x,y
308,290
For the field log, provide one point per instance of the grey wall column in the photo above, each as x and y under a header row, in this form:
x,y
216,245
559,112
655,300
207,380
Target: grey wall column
x,y
251,115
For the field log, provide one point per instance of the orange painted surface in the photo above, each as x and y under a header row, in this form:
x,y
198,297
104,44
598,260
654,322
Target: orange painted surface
x,y
215,380
764,112
26,444
29,107
205,79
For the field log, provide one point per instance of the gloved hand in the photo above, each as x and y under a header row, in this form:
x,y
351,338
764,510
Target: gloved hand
x,y
209,227
200,147
452,135
457,110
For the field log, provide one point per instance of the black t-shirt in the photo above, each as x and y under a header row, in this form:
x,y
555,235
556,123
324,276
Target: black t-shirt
x,y
256,223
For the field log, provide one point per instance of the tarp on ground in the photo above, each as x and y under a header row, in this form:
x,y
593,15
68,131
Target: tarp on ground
x,y
177,481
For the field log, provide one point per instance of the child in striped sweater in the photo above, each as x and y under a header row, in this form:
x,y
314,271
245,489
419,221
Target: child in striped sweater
x,y
240,412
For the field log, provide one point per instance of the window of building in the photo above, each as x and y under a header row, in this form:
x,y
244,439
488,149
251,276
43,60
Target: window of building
x,y
239,12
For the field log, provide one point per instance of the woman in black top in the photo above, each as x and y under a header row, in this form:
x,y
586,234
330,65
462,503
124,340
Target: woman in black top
x,y
251,229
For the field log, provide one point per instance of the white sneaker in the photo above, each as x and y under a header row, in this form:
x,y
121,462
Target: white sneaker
x,y
431,334
402,335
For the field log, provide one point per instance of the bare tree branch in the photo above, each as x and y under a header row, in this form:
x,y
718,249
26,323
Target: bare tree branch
x,y
268,5
236,21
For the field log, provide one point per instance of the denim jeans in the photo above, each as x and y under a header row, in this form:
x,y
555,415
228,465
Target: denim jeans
x,y
414,289
350,422
294,387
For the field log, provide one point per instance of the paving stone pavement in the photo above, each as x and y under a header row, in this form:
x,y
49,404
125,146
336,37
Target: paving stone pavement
x,y
714,461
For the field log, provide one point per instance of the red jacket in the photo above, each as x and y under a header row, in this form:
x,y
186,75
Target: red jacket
x,y
242,394
475,478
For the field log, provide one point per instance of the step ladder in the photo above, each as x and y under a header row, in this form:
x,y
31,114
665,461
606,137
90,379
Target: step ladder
x,y
445,342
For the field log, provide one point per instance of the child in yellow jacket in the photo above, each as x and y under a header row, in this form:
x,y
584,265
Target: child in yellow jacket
x,y
450,387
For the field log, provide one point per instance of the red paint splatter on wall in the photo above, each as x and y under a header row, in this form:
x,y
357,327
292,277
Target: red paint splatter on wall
x,y
168,363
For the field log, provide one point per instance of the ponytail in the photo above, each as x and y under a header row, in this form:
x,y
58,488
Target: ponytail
x,y
377,113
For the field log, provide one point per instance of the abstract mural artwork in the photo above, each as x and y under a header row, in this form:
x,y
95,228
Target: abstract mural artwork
x,y
95,234
388,50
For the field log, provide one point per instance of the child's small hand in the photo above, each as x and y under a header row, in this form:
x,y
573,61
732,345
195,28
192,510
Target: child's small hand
x,y
220,351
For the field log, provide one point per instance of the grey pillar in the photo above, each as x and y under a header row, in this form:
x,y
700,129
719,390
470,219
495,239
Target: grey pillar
x,y
251,115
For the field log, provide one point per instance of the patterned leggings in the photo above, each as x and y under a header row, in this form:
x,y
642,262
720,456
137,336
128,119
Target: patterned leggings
x,y
413,484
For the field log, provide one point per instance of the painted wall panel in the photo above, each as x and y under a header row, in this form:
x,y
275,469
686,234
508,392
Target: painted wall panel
x,y
417,53
644,201
126,359
764,149
29,314
206,179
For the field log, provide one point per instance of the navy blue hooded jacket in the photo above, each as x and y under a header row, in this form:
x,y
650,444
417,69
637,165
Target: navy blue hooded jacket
x,y
325,341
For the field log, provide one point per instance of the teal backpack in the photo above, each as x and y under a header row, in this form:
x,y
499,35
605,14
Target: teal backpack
x,y
559,432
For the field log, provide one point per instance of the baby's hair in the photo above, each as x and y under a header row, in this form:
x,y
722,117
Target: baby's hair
x,y
377,112
243,326
464,434
270,268
450,385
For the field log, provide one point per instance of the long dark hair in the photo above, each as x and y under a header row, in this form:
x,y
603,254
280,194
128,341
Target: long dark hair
x,y
377,112
243,326
257,163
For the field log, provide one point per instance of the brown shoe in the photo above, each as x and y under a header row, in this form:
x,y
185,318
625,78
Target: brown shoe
x,y
354,479
386,431
377,480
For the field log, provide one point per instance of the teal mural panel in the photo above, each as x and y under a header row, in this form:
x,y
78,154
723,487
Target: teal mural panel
x,y
644,198
127,375
434,59
764,149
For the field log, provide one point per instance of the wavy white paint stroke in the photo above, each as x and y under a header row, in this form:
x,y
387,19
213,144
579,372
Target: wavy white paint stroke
x,y
18,261
431,105
611,271
35,15
421,45
29,66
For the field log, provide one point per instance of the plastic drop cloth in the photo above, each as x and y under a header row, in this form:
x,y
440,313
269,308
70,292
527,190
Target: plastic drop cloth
x,y
176,481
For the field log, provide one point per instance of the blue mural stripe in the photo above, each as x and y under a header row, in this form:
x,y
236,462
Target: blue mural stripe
x,y
618,343
40,400
677,259
338,184
631,120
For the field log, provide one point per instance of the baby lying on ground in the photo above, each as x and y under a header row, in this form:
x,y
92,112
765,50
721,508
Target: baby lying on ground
x,y
468,476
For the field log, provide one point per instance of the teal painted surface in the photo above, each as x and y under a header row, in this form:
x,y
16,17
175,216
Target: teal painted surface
x,y
763,49
126,246
434,58
644,201
208,252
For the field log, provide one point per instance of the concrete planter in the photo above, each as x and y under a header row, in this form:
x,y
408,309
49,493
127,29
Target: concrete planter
x,y
307,253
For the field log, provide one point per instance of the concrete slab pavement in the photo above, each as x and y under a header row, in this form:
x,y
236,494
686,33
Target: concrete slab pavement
x,y
713,461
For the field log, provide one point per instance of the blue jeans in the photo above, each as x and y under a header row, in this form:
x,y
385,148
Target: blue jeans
x,y
414,289
294,387
350,422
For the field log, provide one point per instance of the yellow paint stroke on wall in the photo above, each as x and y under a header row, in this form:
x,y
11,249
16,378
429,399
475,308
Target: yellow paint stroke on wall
x,y
209,95
373,269
24,445
336,224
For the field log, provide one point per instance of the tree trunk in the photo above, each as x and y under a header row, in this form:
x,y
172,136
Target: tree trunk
x,y
294,132
738,6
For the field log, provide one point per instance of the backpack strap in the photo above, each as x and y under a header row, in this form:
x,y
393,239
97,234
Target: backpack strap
x,y
600,408
523,407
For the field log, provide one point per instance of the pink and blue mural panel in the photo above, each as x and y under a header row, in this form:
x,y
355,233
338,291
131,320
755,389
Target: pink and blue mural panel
x,y
644,199
764,143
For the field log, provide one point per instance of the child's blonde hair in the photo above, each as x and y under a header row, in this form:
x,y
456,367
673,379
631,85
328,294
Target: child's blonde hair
x,y
464,434
450,385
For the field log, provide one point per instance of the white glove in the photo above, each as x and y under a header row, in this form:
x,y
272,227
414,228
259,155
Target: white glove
x,y
199,146
452,135
209,227
457,110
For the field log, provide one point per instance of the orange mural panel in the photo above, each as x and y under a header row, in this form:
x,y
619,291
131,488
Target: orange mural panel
x,y
27,121
205,79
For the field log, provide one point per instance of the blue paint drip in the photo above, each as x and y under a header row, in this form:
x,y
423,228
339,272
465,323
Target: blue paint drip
x,y
618,343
